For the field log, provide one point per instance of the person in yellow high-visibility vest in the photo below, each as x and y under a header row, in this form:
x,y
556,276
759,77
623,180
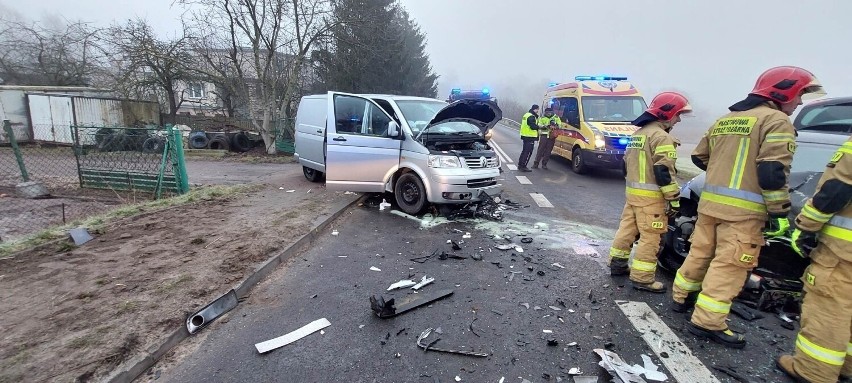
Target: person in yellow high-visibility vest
x,y
547,137
529,135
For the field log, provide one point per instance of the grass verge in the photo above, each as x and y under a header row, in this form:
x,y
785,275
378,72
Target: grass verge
x,y
99,222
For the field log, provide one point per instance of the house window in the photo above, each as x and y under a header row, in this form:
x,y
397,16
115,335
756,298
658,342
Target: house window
x,y
196,90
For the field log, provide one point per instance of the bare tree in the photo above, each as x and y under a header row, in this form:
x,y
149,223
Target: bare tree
x,y
62,54
148,67
265,44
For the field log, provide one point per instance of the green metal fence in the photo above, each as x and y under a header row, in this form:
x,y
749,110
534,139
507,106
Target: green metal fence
x,y
47,183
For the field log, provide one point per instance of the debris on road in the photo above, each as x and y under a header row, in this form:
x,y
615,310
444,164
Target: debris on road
x,y
585,379
588,317
558,265
384,205
374,268
786,322
574,371
466,236
505,247
554,308
281,341
552,342
457,379
650,370
402,284
429,347
730,371
519,249
526,240
335,232
455,245
526,305
547,331
470,327
209,313
80,236
611,362
745,312
423,282
444,256
387,309
476,257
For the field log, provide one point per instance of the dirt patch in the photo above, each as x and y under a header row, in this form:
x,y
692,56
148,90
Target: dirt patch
x,y
77,313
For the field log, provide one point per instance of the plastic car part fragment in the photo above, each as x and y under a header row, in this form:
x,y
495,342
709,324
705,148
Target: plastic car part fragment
x,y
429,346
212,311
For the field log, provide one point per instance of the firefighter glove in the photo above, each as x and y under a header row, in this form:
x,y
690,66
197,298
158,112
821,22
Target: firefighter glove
x,y
803,242
777,226
673,207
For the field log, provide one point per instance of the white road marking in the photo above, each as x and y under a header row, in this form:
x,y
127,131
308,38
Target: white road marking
x,y
512,167
683,366
524,180
501,153
540,200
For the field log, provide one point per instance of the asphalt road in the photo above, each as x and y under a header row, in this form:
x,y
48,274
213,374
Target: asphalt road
x,y
493,308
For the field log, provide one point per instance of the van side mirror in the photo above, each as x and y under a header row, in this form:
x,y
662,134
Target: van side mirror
x,y
393,129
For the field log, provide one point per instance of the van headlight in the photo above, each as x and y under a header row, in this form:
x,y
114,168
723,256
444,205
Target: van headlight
x,y
444,162
599,141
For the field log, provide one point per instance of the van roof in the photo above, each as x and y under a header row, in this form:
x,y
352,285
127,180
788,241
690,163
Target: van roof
x,y
385,96
595,88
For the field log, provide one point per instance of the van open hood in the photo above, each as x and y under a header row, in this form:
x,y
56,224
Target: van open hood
x,y
482,113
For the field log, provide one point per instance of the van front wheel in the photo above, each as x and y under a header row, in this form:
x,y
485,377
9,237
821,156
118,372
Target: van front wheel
x,y
578,165
312,175
410,194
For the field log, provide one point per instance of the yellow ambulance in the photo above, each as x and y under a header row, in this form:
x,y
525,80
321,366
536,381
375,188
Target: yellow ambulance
x,y
596,112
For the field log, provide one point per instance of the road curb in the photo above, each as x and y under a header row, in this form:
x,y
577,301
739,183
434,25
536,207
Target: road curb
x,y
139,365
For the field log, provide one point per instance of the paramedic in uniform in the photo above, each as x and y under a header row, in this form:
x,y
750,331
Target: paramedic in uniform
x,y
747,155
652,191
824,232
547,137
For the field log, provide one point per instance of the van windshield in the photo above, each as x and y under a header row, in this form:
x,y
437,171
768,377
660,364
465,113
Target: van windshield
x,y
612,108
418,114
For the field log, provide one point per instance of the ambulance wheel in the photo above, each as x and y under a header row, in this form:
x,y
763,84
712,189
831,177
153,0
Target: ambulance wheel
x,y
578,165
312,175
410,194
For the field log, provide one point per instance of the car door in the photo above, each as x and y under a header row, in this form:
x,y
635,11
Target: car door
x,y
360,154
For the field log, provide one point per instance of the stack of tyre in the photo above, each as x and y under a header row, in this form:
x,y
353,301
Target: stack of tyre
x,y
236,142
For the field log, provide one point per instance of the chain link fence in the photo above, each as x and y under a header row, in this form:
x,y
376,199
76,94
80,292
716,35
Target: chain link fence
x,y
44,184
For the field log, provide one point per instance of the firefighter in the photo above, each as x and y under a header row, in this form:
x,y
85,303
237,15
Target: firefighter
x,y
652,191
824,232
547,137
529,135
745,200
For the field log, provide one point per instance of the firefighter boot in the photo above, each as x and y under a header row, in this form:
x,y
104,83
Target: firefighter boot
x,y
618,266
688,303
535,165
785,363
724,337
654,287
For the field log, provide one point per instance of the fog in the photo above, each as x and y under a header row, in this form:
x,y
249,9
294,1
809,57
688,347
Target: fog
x,y
710,50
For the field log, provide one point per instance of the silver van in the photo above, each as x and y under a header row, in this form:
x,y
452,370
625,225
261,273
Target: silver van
x,y
420,149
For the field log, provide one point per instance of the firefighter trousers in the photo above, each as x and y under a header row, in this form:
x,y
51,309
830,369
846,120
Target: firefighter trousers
x,y
545,147
649,223
823,346
721,256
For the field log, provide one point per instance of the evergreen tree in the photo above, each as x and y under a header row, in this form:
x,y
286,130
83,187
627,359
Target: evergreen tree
x,y
379,49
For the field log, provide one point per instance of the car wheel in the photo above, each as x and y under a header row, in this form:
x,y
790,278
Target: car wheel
x,y
410,194
312,175
578,165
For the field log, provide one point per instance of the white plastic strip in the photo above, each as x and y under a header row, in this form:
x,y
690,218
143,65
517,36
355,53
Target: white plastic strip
x,y
680,362
540,200
281,341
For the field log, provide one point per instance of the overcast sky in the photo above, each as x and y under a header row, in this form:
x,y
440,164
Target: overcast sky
x,y
711,50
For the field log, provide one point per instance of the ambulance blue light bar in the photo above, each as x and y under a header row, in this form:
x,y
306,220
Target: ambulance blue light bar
x,y
552,84
485,91
456,91
600,78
